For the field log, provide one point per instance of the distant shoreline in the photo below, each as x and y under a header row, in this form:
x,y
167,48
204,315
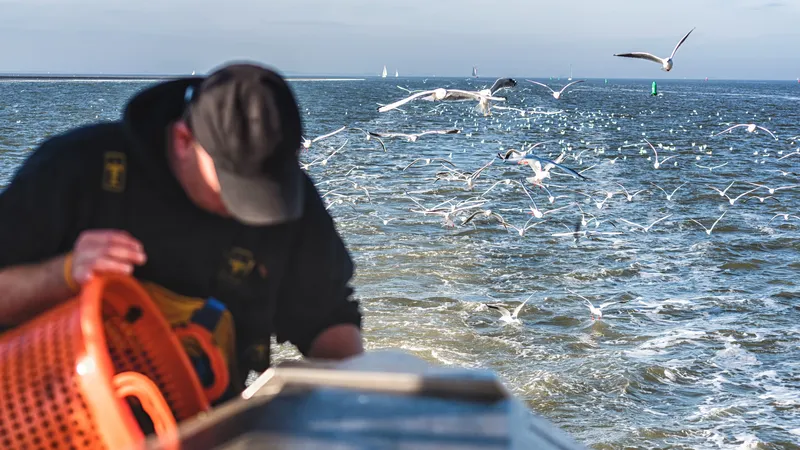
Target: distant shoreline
x,y
95,77
36,77
85,77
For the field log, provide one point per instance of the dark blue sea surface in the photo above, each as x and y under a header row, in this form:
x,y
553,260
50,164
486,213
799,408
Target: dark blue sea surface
x,y
700,346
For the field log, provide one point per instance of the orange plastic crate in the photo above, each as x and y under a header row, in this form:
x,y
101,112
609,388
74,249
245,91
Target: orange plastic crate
x,y
64,375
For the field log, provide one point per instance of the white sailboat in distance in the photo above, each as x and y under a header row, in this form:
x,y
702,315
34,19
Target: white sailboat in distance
x,y
383,75
396,73
475,71
570,73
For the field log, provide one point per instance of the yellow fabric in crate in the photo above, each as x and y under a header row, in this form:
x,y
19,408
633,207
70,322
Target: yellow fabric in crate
x,y
178,310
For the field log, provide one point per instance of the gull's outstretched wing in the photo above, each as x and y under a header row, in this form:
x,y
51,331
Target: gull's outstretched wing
x,y
641,55
555,164
729,129
770,132
506,314
679,43
402,102
502,83
570,84
458,94
541,84
450,131
519,308
328,135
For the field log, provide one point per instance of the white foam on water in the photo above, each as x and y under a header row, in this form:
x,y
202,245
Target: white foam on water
x,y
716,437
734,357
672,339
718,381
714,409
641,353
781,396
748,441
452,358
655,413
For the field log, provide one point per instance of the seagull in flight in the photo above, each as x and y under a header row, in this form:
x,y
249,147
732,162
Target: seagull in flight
x,y
669,196
751,127
483,96
596,312
506,181
645,228
484,213
386,220
789,154
629,195
761,199
543,171
508,316
489,213
535,209
556,94
447,213
412,137
666,63
428,161
709,230
520,230
733,200
658,163
440,94
307,142
468,177
723,192
785,216
370,135
500,84
773,189
711,168
519,154
321,160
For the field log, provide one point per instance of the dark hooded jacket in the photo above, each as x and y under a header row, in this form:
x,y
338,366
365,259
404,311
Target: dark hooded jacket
x,y
295,281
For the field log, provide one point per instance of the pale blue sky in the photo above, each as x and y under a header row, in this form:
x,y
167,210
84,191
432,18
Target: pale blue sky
x,y
734,39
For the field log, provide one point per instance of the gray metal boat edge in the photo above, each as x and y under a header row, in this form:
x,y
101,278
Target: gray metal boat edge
x,y
382,399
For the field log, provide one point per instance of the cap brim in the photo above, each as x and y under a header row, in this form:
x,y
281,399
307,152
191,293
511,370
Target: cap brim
x,y
265,200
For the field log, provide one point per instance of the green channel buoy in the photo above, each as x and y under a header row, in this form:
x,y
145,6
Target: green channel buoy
x,y
655,89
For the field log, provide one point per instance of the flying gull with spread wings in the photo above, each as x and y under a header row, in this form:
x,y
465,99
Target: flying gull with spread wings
x,y
441,94
556,94
666,63
751,127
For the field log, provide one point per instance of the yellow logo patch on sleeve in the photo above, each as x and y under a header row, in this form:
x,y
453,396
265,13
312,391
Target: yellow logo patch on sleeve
x,y
114,164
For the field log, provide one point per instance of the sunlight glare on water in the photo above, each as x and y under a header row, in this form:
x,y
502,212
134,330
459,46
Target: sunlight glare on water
x,y
700,346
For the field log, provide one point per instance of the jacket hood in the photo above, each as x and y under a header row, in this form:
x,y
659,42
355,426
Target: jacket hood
x,y
146,119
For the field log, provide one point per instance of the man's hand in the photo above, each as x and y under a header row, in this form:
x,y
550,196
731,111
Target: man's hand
x,y
109,251
337,342
30,289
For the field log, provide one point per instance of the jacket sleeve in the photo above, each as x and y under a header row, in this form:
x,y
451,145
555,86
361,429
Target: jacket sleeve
x,y
35,209
315,293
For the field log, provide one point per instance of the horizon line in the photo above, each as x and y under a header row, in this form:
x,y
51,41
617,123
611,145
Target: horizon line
x,y
288,75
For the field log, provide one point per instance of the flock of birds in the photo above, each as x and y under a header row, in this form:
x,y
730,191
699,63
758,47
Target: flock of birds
x,y
571,204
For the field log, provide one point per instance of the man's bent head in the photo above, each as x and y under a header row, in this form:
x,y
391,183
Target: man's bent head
x,y
235,150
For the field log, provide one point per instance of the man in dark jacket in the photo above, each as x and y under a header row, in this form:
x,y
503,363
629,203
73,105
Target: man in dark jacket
x,y
197,192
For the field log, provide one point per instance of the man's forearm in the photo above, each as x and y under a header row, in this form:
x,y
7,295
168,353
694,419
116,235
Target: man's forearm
x,y
28,290
337,342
